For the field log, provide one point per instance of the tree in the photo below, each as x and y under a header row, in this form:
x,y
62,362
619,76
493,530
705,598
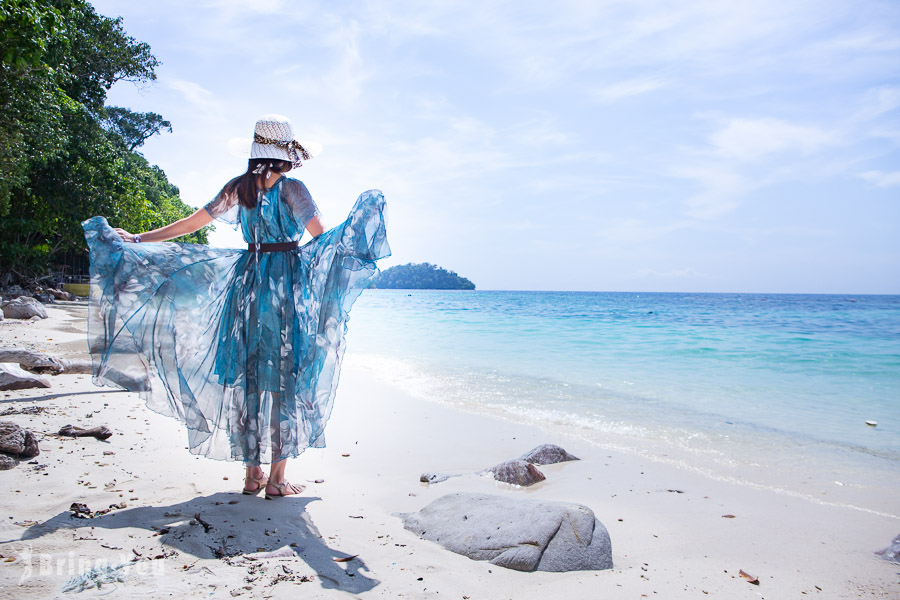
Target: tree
x,y
134,127
65,157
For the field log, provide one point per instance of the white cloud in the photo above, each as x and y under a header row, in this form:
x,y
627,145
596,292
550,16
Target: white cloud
x,y
628,88
194,93
721,188
243,6
638,231
751,139
881,179
877,102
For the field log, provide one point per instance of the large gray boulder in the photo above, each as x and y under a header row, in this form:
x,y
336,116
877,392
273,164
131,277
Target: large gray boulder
x,y
525,535
12,377
24,307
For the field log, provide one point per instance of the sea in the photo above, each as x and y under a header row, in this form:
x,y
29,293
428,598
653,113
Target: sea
x,y
799,394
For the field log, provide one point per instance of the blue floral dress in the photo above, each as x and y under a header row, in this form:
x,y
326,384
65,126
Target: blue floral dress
x,y
245,347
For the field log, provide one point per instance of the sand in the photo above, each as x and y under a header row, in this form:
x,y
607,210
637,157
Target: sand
x,y
669,533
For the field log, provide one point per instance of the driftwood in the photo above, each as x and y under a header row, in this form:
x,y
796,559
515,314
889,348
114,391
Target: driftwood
x,y
39,362
101,433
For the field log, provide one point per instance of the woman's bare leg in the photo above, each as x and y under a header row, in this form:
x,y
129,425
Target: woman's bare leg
x,y
276,476
254,479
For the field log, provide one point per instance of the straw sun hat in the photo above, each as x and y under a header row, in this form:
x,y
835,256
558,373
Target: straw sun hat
x,y
273,137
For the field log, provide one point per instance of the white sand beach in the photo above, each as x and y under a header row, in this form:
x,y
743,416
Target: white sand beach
x,y
175,512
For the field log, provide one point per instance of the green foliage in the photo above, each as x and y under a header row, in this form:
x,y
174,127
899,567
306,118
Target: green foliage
x,y
421,276
134,128
64,157
26,29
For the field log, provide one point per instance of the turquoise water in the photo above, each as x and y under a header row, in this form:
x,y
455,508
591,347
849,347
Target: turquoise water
x,y
773,390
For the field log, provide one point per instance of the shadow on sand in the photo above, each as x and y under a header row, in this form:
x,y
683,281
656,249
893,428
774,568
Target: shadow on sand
x,y
230,525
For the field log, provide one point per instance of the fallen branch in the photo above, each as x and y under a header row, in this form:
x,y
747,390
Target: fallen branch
x,y
101,433
206,526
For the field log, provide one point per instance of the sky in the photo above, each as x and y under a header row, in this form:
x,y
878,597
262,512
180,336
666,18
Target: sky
x,y
695,146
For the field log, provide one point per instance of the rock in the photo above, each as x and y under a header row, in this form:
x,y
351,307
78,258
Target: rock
x,y
12,438
892,552
42,362
525,535
14,378
17,441
31,445
517,472
7,462
547,454
14,291
24,307
60,294
434,477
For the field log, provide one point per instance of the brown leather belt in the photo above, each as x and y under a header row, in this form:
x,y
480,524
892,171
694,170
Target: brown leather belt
x,y
276,247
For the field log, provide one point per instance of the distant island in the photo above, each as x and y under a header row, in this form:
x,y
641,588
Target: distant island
x,y
421,276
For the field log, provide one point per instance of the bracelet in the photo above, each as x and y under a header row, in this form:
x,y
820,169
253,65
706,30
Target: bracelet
x,y
136,238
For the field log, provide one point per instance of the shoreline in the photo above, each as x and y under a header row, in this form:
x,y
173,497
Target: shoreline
x,y
818,471
666,524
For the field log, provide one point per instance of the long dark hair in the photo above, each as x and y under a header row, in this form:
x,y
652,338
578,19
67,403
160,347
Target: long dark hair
x,y
247,184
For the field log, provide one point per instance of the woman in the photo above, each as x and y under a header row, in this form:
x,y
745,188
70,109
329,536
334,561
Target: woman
x,y
244,346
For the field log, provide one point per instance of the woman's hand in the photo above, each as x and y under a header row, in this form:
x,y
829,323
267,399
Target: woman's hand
x,y
178,228
126,237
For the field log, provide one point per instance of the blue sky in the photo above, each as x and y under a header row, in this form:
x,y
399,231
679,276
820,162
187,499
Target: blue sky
x,y
623,145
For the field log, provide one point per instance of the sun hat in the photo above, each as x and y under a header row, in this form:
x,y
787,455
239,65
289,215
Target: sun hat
x,y
273,137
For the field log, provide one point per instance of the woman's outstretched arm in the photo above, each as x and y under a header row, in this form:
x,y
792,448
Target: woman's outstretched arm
x,y
315,226
178,228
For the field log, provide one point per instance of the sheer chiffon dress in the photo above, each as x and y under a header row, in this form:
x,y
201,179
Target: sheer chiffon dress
x,y
243,346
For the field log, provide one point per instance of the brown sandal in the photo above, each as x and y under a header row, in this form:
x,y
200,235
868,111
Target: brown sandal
x,y
280,487
261,484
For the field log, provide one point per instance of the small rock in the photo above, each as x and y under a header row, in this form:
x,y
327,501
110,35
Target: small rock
x,y
7,462
892,552
24,307
17,441
517,472
434,477
547,454
13,377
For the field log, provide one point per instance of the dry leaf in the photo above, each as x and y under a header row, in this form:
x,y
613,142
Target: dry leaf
x,y
750,578
727,516
345,558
